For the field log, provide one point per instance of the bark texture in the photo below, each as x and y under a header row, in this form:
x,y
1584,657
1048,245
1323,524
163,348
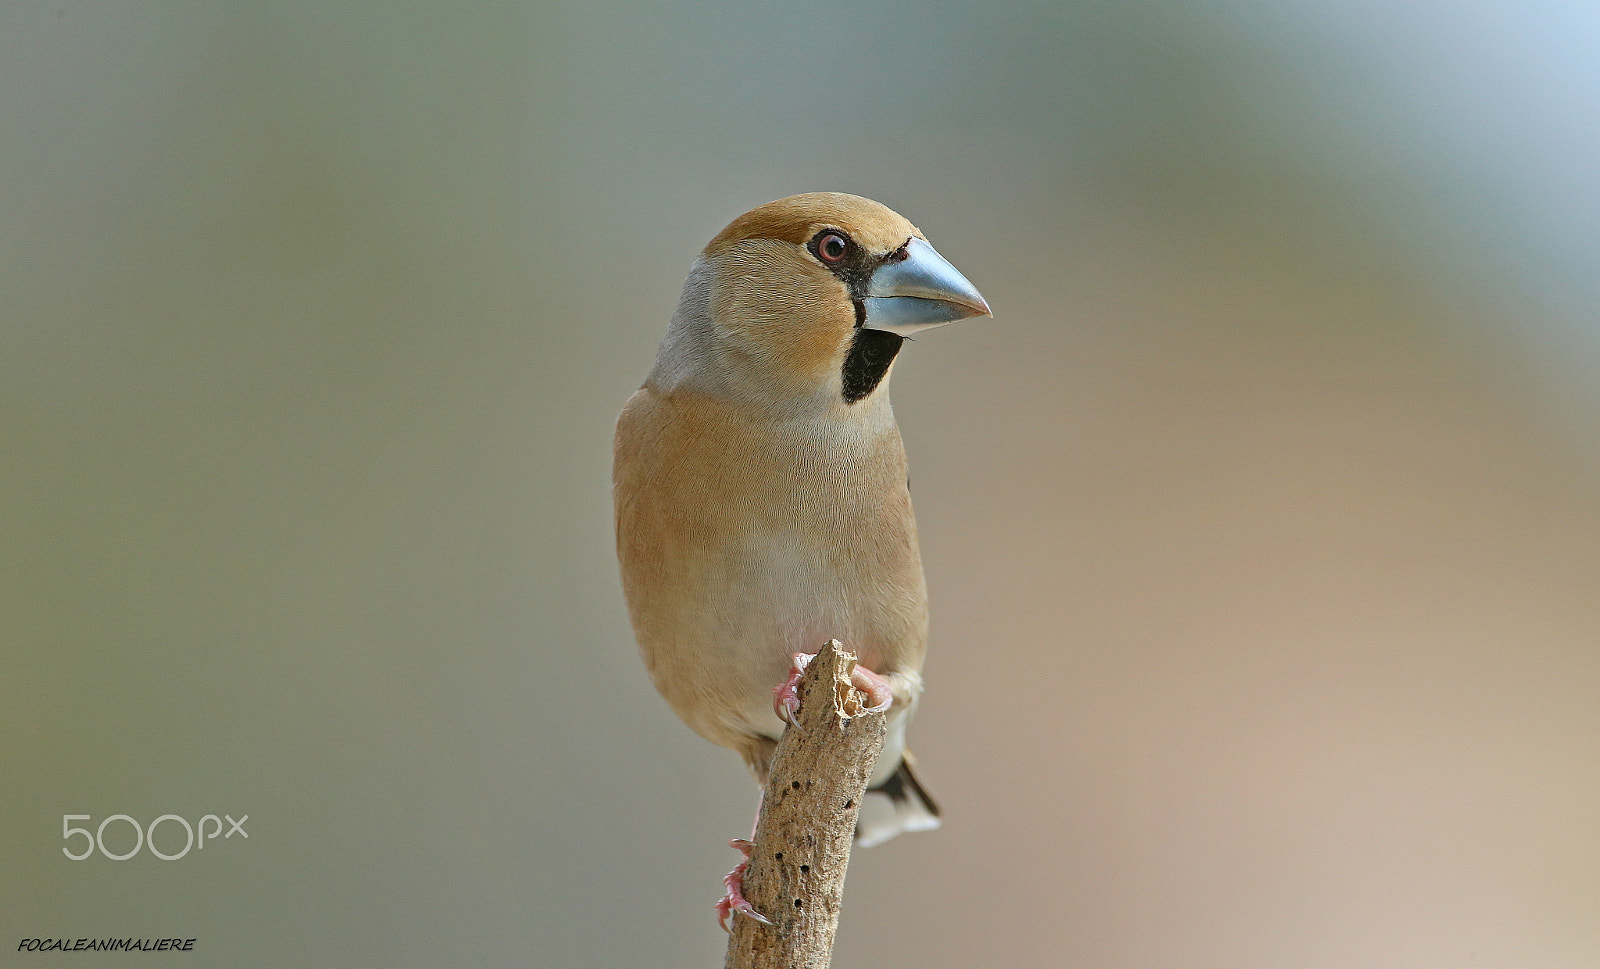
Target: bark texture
x,y
808,821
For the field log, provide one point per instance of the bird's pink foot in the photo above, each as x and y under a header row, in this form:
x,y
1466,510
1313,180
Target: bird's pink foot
x,y
786,698
879,694
733,903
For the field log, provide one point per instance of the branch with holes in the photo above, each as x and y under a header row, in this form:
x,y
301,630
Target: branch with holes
x,y
801,851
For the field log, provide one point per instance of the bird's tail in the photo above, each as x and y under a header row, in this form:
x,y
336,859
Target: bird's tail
x,y
898,804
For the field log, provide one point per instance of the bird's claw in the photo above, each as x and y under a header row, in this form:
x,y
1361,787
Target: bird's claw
x,y
880,696
786,696
733,904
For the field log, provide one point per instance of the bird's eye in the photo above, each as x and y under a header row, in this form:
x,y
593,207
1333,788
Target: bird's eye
x,y
831,247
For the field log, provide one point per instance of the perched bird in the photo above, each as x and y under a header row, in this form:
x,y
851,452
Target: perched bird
x,y
760,481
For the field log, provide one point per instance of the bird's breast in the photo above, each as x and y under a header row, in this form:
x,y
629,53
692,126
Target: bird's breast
x,y
743,542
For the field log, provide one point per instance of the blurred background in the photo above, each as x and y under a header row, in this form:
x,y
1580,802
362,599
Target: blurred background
x,y
1262,524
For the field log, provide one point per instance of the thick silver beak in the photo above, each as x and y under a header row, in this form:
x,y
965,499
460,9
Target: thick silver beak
x,y
918,292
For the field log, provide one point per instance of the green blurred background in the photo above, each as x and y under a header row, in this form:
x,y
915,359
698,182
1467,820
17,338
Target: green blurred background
x,y
1262,523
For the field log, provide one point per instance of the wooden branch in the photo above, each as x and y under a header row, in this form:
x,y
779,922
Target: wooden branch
x,y
808,821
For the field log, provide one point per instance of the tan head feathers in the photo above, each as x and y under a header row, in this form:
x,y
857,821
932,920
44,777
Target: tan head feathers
x,y
798,218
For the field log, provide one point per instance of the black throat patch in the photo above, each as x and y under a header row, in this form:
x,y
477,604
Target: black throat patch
x,y
871,352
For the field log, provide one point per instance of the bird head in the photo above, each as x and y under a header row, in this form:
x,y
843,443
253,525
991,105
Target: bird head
x,y
808,299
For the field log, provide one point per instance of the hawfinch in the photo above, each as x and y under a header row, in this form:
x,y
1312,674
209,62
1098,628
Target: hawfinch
x,y
760,482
